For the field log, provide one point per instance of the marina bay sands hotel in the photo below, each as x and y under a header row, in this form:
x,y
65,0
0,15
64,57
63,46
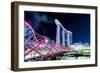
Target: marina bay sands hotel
x,y
63,36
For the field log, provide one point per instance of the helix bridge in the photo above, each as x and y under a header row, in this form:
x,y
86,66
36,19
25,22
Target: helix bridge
x,y
38,47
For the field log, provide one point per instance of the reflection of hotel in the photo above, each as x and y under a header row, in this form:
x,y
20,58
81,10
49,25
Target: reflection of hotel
x,y
63,36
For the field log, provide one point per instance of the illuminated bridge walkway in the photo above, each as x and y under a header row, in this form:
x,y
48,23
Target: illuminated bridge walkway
x,y
40,48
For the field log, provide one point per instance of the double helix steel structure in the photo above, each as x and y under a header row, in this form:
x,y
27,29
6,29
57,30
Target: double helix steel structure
x,y
38,47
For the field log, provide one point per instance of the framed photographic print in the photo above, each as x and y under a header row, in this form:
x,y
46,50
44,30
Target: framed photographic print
x,y
52,36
